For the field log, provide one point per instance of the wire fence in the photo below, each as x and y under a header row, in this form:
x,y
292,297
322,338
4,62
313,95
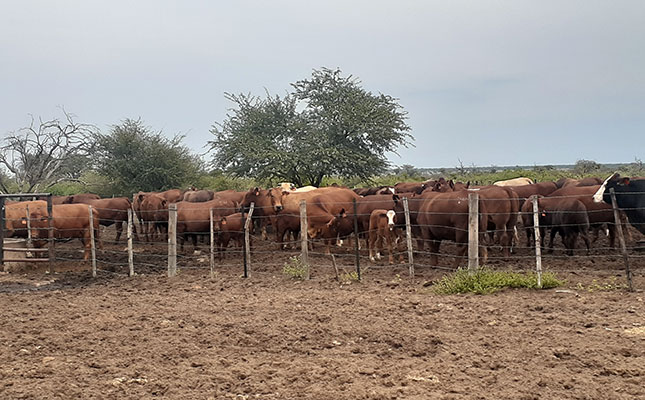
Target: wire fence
x,y
438,231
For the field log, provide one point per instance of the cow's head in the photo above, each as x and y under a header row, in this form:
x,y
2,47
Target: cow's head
x,y
275,196
219,224
39,226
442,186
391,219
328,230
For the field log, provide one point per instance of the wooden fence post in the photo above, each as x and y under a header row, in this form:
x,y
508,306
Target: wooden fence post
x,y
247,239
29,238
50,234
304,245
130,251
356,249
538,240
212,229
92,242
408,236
473,231
621,238
172,240
2,228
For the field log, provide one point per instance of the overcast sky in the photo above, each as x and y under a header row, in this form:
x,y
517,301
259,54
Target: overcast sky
x,y
487,82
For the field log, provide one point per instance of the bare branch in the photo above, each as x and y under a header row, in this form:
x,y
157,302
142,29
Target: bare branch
x,y
40,156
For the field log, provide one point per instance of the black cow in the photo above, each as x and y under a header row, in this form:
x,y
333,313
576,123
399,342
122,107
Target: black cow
x,y
630,197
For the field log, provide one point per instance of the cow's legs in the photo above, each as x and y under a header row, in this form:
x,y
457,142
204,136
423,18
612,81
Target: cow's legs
x,y
119,229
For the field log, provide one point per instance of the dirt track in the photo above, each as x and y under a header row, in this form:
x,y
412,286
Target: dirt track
x,y
68,336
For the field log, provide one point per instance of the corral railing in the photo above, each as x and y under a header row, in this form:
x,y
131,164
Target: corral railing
x,y
4,200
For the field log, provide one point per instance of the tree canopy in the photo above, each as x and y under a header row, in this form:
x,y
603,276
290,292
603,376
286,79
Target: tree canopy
x,y
329,125
134,158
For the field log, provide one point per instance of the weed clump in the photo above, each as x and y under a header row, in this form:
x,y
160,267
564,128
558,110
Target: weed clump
x,y
295,268
487,281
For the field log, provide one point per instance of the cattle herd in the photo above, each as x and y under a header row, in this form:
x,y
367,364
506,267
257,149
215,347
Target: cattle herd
x,y
438,211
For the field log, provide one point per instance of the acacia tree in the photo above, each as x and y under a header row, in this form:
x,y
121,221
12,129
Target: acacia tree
x,y
328,126
45,153
133,157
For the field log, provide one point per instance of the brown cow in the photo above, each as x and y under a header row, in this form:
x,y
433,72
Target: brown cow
x,y
383,231
15,213
70,221
365,206
193,219
562,182
81,198
227,228
502,207
198,196
113,211
443,186
287,207
171,196
414,204
410,187
336,226
444,216
376,190
541,188
590,181
230,195
154,214
57,200
263,211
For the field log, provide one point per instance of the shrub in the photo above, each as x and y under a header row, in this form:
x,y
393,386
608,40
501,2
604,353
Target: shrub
x,y
486,281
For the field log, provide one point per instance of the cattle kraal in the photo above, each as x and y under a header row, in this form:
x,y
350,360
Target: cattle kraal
x,y
437,219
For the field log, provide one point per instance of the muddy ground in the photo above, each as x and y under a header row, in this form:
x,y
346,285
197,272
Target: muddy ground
x,y
66,335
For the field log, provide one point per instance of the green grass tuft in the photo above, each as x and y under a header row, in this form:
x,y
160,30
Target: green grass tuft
x,y
295,268
486,281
